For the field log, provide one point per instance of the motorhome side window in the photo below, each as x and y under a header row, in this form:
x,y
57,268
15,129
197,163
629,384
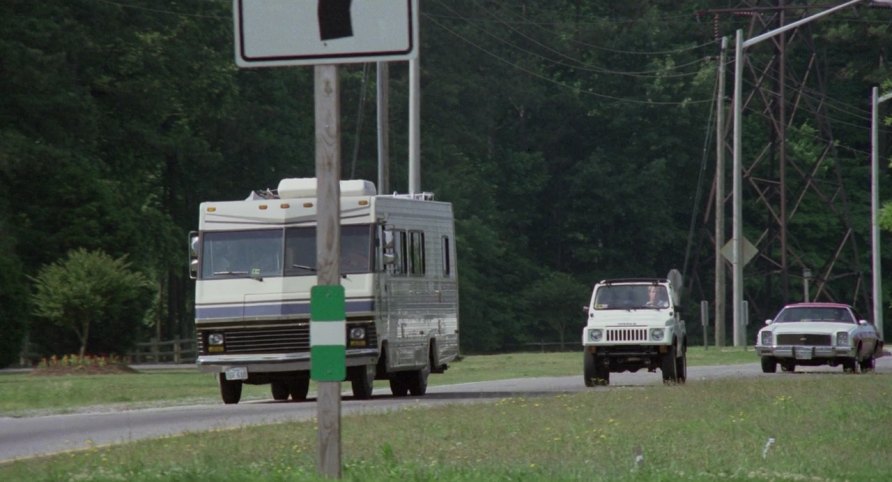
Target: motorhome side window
x,y
447,261
416,253
394,251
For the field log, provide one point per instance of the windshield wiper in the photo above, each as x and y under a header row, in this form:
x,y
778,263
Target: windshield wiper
x,y
230,273
310,268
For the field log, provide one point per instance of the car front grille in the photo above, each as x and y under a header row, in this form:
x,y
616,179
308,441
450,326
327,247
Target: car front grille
x,y
627,334
804,339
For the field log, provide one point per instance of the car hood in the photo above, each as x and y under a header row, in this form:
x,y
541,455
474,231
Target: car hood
x,y
810,327
644,317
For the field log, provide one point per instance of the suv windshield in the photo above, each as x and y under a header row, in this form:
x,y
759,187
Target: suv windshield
x,y
624,297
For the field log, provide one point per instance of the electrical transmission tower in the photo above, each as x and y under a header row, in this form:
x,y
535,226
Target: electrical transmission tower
x,y
797,212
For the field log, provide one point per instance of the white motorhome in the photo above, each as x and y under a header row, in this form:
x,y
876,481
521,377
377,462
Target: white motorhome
x,y
254,262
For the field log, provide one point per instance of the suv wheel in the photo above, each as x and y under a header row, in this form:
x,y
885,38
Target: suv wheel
x,y
670,368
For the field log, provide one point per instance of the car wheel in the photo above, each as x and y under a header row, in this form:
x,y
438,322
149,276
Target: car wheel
x,y
868,364
230,390
669,367
769,364
788,367
851,365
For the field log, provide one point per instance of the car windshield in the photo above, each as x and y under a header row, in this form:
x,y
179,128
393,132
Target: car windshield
x,y
626,297
797,314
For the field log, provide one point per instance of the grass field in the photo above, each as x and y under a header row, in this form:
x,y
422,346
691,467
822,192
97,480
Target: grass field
x,y
826,426
24,394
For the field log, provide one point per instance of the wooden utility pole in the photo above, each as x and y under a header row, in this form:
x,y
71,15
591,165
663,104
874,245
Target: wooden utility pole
x,y
328,248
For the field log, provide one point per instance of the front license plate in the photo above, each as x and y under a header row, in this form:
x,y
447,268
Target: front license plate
x,y
803,354
237,373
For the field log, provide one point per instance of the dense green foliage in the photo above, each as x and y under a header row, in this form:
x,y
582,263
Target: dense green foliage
x,y
93,295
574,139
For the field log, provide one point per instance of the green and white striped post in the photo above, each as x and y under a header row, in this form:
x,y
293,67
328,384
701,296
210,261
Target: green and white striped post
x,y
328,338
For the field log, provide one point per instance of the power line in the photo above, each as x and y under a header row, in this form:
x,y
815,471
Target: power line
x,y
579,90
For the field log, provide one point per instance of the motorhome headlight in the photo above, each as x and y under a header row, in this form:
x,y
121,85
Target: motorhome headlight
x,y
765,338
595,335
357,333
842,338
215,339
656,334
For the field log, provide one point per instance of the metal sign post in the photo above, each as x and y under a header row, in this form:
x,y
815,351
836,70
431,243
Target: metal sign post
x,y
328,370
277,33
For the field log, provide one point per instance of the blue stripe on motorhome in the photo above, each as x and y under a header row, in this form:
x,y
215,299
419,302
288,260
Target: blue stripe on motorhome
x,y
273,309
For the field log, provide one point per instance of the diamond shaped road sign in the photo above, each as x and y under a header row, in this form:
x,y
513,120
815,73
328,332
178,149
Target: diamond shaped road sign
x,y
275,33
749,251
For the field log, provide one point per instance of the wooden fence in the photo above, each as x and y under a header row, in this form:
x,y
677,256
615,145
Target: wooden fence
x,y
173,351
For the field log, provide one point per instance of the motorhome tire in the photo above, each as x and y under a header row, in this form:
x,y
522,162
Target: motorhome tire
x,y
398,385
362,379
298,388
280,390
417,381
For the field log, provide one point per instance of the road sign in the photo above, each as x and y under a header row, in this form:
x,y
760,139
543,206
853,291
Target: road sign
x,y
749,251
327,333
275,33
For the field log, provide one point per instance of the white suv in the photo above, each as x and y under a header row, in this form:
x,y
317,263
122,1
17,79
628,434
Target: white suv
x,y
634,324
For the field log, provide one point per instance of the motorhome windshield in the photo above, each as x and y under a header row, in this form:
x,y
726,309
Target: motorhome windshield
x,y
277,252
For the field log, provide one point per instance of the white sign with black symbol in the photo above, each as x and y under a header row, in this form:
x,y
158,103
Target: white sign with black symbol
x,y
275,33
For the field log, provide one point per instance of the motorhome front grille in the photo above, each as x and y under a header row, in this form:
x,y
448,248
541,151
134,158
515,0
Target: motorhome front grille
x,y
627,334
804,339
278,339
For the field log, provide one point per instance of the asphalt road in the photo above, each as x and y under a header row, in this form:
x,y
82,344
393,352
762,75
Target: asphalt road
x,y
23,437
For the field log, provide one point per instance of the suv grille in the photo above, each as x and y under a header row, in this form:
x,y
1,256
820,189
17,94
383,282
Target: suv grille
x,y
627,334
804,339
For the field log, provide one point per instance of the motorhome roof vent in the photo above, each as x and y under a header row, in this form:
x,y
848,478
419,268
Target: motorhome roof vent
x,y
305,187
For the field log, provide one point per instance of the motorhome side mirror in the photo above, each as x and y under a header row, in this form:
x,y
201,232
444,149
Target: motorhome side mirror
x,y
193,255
389,258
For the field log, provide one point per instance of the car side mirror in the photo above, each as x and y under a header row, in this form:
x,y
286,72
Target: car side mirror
x,y
768,321
862,322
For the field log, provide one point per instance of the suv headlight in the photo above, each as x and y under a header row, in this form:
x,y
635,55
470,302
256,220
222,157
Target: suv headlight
x,y
842,338
656,334
765,338
595,335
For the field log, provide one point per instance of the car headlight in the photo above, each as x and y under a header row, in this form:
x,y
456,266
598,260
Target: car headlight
x,y
215,339
595,335
357,333
656,334
765,338
842,338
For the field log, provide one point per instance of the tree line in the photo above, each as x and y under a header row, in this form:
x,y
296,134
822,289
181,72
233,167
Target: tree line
x,y
574,139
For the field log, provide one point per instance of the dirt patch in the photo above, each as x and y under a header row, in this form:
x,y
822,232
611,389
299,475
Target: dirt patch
x,y
114,369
